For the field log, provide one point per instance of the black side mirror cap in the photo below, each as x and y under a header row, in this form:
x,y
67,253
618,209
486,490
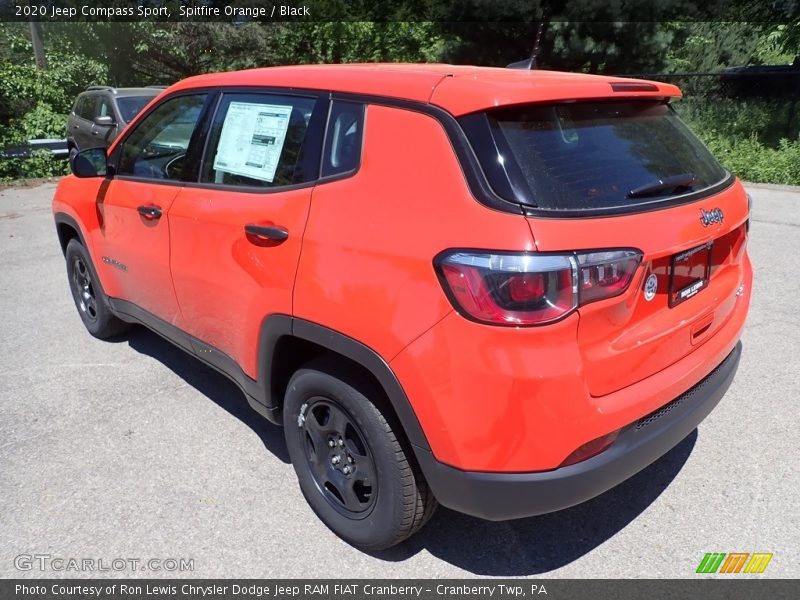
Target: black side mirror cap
x,y
91,162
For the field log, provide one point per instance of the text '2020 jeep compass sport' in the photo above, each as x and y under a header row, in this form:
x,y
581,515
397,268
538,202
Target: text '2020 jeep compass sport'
x,y
503,291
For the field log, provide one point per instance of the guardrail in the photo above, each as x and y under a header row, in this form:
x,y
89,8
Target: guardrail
x,y
57,147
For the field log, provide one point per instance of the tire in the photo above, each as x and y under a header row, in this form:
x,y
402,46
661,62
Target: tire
x,y
328,413
73,152
90,300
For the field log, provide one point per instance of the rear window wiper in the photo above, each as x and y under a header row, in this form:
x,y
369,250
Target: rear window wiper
x,y
673,182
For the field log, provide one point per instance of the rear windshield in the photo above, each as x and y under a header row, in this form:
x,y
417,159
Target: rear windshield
x,y
600,155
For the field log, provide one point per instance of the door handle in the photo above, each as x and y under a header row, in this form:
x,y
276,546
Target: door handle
x,y
150,211
269,232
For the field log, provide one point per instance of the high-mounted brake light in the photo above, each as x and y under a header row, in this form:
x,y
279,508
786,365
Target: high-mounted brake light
x,y
505,288
633,86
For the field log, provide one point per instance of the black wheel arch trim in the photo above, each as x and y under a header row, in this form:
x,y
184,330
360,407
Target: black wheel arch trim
x,y
62,218
374,363
275,327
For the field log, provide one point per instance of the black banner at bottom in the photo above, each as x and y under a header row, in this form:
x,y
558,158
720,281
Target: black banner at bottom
x,y
386,589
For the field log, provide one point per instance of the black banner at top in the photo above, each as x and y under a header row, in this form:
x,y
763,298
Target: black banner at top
x,y
517,11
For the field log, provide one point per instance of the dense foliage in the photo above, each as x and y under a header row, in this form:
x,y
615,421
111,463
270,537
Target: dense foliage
x,y
754,138
753,161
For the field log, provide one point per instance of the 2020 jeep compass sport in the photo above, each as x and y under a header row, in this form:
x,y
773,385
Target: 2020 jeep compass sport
x,y
502,291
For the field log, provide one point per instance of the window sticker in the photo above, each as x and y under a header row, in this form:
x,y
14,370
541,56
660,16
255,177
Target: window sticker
x,y
252,139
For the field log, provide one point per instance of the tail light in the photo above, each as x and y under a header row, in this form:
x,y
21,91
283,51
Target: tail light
x,y
504,288
605,274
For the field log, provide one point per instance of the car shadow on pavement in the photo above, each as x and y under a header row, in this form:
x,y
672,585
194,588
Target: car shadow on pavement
x,y
541,544
211,384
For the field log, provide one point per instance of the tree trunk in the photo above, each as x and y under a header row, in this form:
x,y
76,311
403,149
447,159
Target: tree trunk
x,y
38,45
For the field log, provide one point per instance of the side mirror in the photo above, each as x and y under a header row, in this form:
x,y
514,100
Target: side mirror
x,y
105,121
91,162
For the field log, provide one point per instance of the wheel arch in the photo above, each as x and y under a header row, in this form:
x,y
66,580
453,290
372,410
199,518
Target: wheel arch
x,y
67,229
286,343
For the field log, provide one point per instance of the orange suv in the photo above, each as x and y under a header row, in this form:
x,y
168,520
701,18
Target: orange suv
x,y
498,290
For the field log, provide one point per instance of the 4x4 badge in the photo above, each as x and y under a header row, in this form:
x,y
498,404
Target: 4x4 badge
x,y
707,217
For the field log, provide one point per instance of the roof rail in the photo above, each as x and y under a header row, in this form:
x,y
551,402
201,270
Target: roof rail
x,y
99,87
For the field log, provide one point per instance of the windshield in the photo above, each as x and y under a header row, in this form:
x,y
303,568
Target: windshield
x,y
129,106
601,155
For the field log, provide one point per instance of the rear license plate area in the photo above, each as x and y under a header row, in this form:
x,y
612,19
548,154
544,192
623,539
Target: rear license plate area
x,y
688,273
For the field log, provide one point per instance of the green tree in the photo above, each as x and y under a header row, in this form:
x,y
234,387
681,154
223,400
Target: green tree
x,y
709,47
778,44
598,47
606,47
360,41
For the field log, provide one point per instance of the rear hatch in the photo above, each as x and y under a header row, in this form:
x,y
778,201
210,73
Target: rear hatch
x,y
628,174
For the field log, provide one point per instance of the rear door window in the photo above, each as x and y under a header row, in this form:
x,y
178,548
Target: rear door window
x,y
601,155
258,140
84,107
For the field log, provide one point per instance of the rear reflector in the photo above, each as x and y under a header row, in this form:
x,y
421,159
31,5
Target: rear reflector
x,y
591,449
506,288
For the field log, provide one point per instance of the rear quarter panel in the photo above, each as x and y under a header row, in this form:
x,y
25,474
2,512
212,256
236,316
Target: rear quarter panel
x,y
366,267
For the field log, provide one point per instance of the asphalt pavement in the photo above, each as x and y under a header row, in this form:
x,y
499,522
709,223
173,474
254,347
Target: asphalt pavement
x,y
133,450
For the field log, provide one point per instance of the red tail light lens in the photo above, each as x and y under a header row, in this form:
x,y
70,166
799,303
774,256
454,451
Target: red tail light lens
x,y
606,274
510,289
527,287
532,289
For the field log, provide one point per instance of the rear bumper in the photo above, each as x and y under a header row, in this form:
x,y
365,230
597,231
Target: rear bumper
x,y
503,496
